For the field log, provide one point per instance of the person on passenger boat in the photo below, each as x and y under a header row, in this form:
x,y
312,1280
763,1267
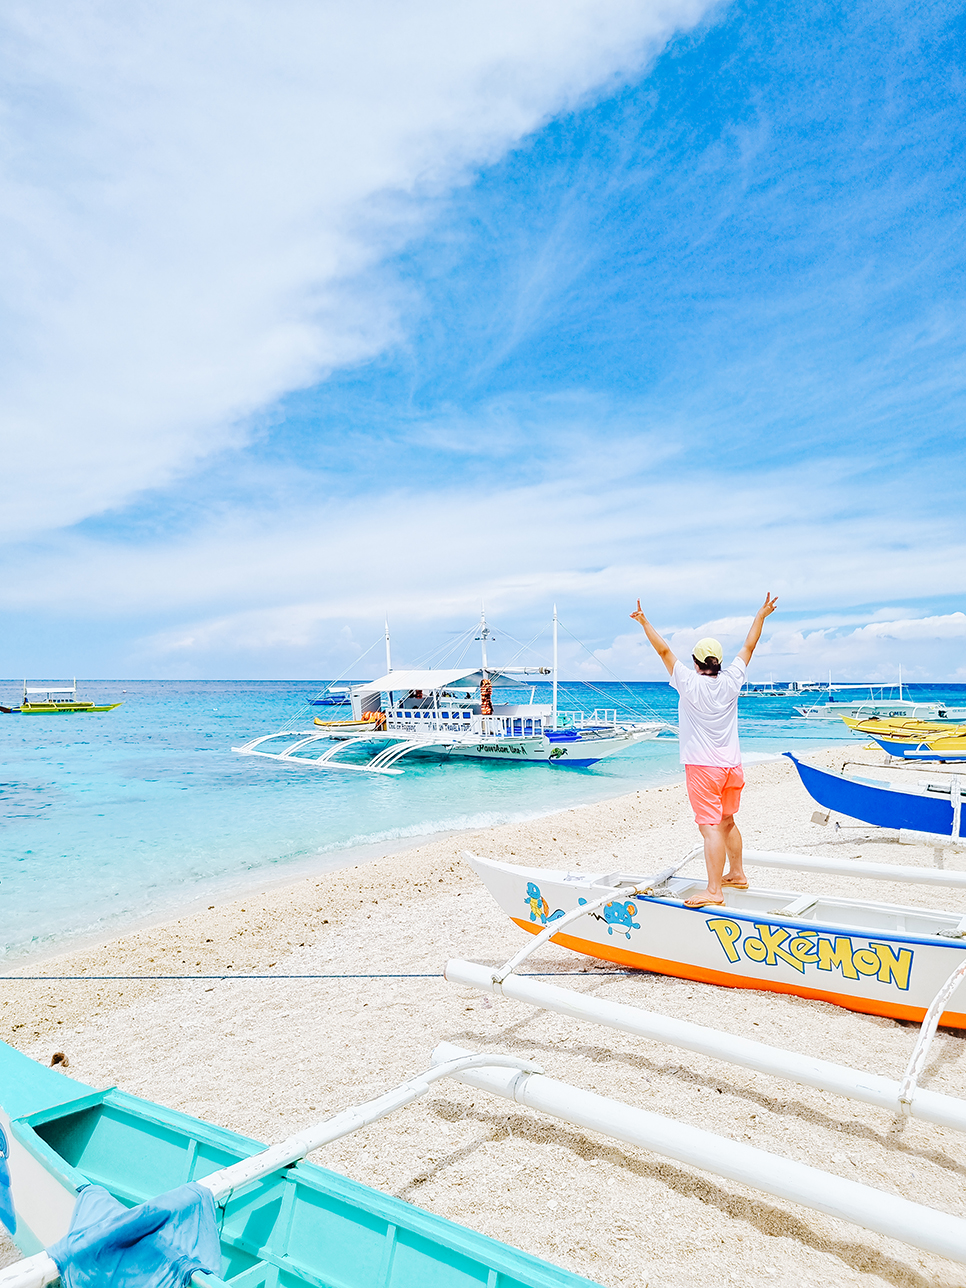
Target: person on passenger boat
x,y
708,730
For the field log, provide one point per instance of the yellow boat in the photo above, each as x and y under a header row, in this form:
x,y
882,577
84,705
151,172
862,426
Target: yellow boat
x,y
62,708
52,704
373,725
917,730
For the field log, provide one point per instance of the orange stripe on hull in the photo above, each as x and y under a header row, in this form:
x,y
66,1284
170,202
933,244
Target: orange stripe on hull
x,y
703,975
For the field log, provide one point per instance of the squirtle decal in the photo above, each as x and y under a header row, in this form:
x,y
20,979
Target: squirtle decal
x,y
539,908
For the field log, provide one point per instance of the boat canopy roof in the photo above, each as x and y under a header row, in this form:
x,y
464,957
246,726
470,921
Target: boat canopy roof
x,y
431,680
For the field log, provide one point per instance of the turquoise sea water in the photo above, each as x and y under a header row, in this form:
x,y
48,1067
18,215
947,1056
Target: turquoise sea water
x,y
111,819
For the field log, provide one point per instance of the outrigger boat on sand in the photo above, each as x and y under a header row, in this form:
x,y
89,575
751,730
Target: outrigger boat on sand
x,y
939,749
902,728
915,739
80,1172
903,1098
929,808
882,959
451,714
233,1211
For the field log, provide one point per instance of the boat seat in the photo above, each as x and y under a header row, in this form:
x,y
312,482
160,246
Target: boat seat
x,y
797,906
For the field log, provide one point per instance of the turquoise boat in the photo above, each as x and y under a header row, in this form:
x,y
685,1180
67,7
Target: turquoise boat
x,y
281,1222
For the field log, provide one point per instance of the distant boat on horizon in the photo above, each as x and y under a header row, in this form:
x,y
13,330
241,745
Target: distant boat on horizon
x,y
54,703
868,708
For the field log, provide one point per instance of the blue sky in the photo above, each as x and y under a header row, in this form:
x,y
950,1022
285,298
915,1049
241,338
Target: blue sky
x,y
392,311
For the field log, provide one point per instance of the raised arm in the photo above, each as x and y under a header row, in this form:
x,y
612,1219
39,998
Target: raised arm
x,y
754,635
659,645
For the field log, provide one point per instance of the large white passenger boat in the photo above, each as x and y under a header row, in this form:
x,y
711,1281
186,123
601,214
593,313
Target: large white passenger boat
x,y
453,713
858,707
867,708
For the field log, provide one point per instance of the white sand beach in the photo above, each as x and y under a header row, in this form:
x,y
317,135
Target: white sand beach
x,y
264,1057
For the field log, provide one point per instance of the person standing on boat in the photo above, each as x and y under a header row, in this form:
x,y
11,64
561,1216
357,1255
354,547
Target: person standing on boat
x,y
708,729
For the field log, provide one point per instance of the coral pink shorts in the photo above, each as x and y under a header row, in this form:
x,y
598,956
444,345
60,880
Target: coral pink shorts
x,y
714,792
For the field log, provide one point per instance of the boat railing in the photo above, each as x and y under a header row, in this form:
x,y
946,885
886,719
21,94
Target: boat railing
x,y
584,720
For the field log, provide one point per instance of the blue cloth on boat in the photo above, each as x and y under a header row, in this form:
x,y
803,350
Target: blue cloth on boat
x,y
158,1244
7,1214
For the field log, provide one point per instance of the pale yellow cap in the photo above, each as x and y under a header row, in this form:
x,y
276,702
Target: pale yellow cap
x,y
707,648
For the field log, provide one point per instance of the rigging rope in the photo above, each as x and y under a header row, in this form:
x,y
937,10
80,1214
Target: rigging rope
x,y
623,683
635,704
291,725
79,979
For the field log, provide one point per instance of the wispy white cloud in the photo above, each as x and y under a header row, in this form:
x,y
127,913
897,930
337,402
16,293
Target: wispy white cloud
x,y
715,358
948,626
249,587
197,201
872,651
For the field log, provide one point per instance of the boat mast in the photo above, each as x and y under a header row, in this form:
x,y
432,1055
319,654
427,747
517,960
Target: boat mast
x,y
554,666
485,694
900,681
388,651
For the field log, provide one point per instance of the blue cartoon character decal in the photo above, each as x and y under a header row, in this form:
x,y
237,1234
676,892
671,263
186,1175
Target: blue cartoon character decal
x,y
620,915
539,908
7,1214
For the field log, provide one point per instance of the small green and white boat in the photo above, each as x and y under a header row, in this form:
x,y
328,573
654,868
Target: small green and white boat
x,y
281,1222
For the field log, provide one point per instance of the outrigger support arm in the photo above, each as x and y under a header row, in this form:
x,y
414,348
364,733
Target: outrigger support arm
x,y
927,1031
223,1183
39,1270
857,868
32,1272
554,927
807,1070
872,1209
642,889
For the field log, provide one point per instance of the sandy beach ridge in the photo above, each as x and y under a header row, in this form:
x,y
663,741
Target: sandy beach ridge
x,y
266,1056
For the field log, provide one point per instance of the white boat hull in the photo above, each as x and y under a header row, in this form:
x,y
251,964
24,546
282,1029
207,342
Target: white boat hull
x,y
578,753
319,747
883,710
886,960
44,1202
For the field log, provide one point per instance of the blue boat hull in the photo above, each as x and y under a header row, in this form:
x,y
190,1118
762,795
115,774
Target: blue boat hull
x,y
880,806
922,749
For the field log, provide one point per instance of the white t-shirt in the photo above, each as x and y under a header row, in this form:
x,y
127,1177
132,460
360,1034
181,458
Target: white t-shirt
x,y
708,714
